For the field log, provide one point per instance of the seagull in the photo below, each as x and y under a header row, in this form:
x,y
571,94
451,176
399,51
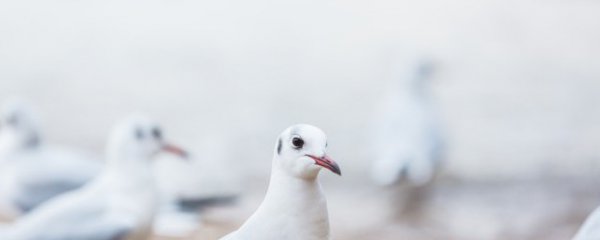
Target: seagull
x,y
31,172
591,227
294,206
407,138
119,204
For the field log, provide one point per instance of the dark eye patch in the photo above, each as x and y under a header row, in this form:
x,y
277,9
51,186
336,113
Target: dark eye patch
x,y
279,146
297,142
156,133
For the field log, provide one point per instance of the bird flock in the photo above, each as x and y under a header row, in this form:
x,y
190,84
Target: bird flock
x,y
55,193
69,195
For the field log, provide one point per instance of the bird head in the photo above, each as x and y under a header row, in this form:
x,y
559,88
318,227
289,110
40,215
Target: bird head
x,y
18,126
139,138
301,151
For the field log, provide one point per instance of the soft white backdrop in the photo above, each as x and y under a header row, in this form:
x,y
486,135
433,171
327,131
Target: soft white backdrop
x,y
517,81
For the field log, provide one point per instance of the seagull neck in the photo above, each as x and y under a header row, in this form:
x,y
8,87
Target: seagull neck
x,y
281,177
130,187
130,180
130,167
291,191
299,201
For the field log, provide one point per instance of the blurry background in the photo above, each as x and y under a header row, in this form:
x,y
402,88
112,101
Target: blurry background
x,y
516,85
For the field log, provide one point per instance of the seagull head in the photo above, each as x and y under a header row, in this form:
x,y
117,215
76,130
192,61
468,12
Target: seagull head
x,y
139,138
301,151
17,125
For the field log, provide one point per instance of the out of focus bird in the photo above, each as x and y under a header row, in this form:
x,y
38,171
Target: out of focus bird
x,y
591,227
119,204
31,171
294,206
407,139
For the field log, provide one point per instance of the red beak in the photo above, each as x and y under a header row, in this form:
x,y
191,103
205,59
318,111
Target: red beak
x,y
326,162
175,150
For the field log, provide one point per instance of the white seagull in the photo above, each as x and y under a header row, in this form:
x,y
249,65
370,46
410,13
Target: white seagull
x,y
31,172
119,204
591,227
407,137
294,206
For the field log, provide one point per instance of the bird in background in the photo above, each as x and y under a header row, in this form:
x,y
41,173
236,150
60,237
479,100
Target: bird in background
x,y
119,204
407,142
31,171
590,230
294,206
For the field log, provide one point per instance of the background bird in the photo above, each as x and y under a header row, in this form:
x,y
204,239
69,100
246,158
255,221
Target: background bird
x,y
407,143
407,140
119,204
31,171
294,206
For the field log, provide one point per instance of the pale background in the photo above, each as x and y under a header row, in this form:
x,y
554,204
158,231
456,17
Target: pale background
x,y
517,84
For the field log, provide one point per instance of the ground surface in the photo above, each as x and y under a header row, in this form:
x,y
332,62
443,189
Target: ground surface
x,y
453,210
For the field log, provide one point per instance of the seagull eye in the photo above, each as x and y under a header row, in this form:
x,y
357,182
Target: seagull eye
x,y
297,142
157,133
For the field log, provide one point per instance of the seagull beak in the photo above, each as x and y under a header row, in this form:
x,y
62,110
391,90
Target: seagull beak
x,y
326,162
174,150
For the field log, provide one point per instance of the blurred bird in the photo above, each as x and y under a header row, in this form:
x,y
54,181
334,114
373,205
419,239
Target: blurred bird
x,y
591,227
407,139
294,206
119,204
31,172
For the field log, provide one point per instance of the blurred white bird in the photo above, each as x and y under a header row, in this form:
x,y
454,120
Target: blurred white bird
x,y
31,172
119,204
294,206
590,230
407,139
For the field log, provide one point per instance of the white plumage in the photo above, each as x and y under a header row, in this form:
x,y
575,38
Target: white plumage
x,y
119,204
31,171
294,206
407,141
